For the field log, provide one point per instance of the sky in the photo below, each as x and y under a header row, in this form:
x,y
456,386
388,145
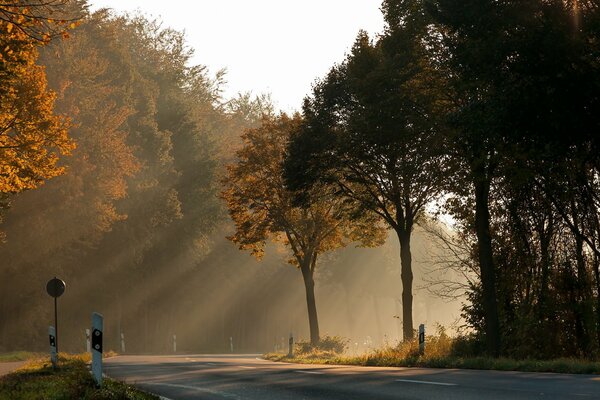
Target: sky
x,y
267,46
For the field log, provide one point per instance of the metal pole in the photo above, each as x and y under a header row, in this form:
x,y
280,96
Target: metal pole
x,y
56,324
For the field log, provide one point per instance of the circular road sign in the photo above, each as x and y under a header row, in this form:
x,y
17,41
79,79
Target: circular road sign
x,y
55,287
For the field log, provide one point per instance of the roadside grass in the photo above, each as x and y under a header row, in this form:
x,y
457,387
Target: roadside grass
x,y
71,380
440,352
19,356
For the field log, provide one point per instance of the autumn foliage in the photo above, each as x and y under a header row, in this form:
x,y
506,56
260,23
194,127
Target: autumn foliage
x,y
32,136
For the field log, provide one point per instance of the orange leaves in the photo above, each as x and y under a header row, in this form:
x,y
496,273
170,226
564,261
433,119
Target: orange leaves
x,y
40,21
262,208
31,136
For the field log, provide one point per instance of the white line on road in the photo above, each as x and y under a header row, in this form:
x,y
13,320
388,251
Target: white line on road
x,y
211,364
243,366
199,389
310,372
426,382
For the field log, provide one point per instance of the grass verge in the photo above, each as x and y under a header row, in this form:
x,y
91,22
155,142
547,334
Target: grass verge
x,y
14,356
562,365
71,380
441,352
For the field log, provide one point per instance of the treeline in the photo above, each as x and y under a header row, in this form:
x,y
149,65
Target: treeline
x,y
133,209
112,147
488,111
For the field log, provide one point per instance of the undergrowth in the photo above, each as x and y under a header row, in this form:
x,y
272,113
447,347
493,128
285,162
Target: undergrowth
x,y
441,351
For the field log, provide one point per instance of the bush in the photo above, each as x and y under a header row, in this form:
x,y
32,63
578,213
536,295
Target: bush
x,y
328,346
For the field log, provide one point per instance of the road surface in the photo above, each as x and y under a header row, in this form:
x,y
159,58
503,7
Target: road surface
x,y
8,367
236,377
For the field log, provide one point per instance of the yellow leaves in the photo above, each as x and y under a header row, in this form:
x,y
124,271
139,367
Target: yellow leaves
x,y
9,27
32,136
262,208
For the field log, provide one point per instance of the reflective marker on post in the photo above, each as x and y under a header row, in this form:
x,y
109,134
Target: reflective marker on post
x,y
421,339
53,354
97,327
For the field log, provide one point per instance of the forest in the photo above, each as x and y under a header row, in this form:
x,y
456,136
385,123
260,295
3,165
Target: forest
x,y
445,171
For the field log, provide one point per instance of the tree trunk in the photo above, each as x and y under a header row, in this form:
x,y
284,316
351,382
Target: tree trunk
x,y
309,285
486,265
586,308
597,276
407,280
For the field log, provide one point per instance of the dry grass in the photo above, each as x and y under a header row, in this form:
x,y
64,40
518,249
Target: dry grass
x,y
440,352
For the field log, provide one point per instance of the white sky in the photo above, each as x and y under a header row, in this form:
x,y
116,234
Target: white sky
x,y
267,46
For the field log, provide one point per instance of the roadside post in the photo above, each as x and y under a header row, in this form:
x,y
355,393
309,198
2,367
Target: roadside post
x,y
231,343
421,339
55,288
174,344
53,352
88,343
122,343
291,346
97,327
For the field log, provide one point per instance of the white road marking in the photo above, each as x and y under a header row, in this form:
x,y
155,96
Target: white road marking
x,y
211,364
309,372
196,388
243,366
426,382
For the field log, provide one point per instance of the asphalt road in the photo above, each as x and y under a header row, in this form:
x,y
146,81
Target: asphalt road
x,y
248,377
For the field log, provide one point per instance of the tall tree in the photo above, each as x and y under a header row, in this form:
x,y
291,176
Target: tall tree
x,y
523,86
262,208
371,130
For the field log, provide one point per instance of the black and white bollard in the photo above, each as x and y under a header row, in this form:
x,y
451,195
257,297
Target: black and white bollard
x,y
122,343
421,339
231,343
174,344
97,327
53,352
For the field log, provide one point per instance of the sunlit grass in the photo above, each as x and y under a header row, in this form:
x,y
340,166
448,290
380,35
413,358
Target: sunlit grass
x,y
14,356
440,352
70,380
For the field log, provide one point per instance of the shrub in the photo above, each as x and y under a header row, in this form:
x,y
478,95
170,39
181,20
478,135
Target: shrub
x,y
328,346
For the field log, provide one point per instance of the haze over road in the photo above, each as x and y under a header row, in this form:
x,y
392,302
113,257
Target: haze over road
x,y
249,377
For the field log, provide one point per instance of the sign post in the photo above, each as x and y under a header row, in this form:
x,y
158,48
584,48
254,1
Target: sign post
x,y
97,327
53,352
421,339
55,288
